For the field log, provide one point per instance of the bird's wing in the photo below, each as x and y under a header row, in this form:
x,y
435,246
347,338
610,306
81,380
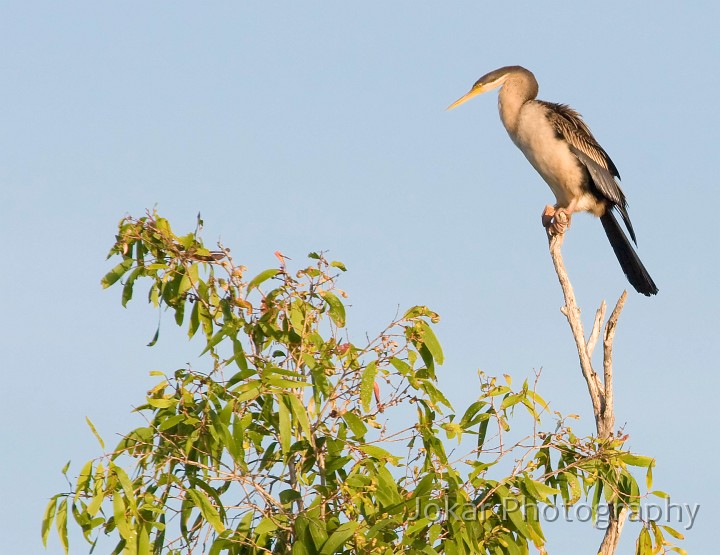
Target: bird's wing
x,y
569,125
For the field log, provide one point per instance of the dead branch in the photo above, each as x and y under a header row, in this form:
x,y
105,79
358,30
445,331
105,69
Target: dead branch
x,y
601,392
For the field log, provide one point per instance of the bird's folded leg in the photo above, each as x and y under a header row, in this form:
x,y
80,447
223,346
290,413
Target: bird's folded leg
x,y
556,220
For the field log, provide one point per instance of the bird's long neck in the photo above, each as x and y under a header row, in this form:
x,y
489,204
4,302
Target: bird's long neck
x,y
517,89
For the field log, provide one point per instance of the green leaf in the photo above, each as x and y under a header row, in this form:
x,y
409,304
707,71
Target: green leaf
x,y
284,426
338,264
127,487
356,425
674,533
297,316
121,521
239,355
215,339
266,525
209,512
401,366
338,538
48,518
539,400
510,400
430,340
512,508
337,309
187,281
367,383
206,320
637,460
643,545
212,495
300,413
128,287
83,479
574,484
61,524
318,532
540,491
436,396
482,432
143,544
95,433
162,403
387,489
468,418
96,502
283,383
376,452
155,337
262,277
453,430
116,273
194,320
171,422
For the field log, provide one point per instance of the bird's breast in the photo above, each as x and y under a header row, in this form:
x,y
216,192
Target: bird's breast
x,y
550,155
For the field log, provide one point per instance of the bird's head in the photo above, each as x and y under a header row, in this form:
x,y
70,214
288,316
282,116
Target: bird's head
x,y
493,80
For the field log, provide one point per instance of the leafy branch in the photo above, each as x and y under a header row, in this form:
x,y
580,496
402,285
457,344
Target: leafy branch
x,y
294,438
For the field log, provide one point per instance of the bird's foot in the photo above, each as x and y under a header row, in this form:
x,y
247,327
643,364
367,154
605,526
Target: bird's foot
x,y
555,220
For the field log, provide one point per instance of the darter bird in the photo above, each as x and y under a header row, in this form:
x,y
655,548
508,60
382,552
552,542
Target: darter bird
x,y
561,148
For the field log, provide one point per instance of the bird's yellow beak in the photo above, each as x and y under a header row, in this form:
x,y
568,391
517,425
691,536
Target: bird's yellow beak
x,y
473,92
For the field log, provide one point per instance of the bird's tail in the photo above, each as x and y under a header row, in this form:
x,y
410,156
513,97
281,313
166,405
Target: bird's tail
x,y
629,261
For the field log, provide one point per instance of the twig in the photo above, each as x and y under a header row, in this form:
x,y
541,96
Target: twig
x,y
597,326
601,393
607,362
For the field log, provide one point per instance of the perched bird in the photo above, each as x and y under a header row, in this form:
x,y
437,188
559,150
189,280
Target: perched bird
x,y
561,148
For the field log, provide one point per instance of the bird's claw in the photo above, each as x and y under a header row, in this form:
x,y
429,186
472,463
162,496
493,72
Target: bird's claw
x,y
555,220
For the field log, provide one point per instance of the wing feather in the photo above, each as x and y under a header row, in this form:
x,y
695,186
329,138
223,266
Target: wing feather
x,y
569,125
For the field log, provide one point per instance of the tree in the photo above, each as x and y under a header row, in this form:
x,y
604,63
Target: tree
x,y
298,440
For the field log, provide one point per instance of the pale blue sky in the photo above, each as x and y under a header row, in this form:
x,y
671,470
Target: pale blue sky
x,y
321,125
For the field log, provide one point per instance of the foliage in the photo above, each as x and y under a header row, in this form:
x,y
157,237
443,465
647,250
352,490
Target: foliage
x,y
298,440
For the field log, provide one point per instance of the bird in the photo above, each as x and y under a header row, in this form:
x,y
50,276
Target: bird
x,y
560,146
